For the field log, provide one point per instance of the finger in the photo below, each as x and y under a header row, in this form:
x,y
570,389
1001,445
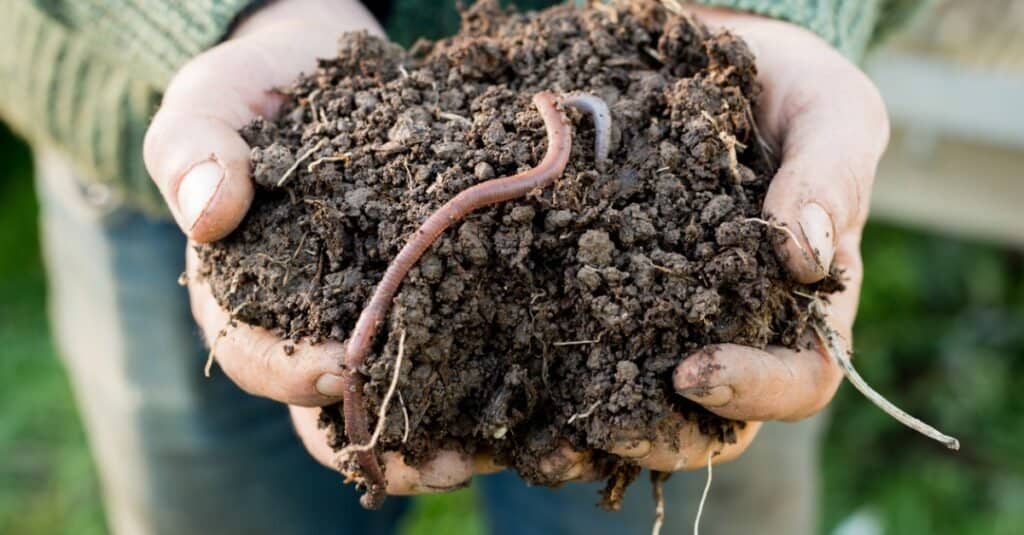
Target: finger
x,y
484,463
831,124
568,464
687,449
261,363
745,383
447,471
192,148
833,138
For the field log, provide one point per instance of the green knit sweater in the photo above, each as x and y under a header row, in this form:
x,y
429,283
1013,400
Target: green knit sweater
x,y
85,76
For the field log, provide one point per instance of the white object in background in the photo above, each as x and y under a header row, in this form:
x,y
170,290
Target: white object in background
x,y
861,522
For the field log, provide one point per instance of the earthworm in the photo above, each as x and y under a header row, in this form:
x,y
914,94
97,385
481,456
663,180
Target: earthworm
x,y
602,118
493,191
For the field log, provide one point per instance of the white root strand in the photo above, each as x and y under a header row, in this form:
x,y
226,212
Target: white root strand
x,y
405,417
346,453
586,414
837,348
287,174
778,226
703,498
658,486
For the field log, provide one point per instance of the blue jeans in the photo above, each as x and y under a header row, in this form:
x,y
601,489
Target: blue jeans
x,y
179,453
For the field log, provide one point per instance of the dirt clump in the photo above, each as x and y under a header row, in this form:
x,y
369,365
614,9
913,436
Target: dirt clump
x,y
578,299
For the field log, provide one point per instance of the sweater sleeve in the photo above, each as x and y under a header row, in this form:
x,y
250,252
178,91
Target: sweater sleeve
x,y
852,26
152,37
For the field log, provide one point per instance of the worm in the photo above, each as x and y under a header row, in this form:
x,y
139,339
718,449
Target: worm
x,y
493,191
602,118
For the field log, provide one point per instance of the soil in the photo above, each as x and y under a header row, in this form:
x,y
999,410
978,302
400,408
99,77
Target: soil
x,y
578,299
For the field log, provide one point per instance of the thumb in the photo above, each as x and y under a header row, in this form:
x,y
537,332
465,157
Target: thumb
x,y
193,151
833,139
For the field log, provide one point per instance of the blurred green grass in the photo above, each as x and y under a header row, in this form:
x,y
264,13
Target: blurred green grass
x,y
941,331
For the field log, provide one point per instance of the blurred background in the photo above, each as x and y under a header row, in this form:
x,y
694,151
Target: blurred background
x,y
940,331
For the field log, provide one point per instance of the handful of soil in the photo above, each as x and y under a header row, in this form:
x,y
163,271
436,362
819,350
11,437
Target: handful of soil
x,y
558,316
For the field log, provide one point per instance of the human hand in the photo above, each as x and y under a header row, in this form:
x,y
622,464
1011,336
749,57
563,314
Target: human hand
x,y
201,164
830,126
195,155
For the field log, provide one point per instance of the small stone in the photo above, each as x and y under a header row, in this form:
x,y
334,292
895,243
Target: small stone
x,y
483,171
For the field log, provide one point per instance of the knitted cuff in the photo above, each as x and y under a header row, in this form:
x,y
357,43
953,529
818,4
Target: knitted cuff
x,y
849,25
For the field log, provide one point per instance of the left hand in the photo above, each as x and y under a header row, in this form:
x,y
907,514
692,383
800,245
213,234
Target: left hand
x,y
830,123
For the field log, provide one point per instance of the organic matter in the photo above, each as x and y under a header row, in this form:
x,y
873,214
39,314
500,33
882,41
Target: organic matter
x,y
546,317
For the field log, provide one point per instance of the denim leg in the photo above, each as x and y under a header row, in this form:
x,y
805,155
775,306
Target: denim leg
x,y
771,489
177,453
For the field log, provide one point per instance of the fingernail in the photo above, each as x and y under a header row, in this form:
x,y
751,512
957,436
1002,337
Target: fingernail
x,y
714,396
819,232
331,385
197,189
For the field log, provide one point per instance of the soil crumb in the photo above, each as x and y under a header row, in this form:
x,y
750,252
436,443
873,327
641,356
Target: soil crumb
x,y
557,317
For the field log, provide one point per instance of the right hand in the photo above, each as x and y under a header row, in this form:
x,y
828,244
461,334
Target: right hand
x,y
201,164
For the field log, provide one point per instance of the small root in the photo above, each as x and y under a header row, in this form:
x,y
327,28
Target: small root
x,y
342,457
585,414
658,480
703,497
805,295
448,116
211,357
339,158
779,226
312,105
287,174
574,343
730,143
405,417
837,348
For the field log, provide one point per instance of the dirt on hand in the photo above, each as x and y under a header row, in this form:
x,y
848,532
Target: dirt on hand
x,y
556,317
